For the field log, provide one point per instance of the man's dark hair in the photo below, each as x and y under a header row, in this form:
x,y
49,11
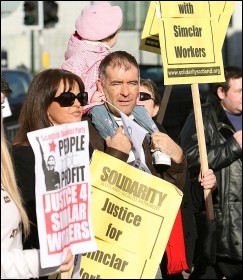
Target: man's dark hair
x,y
117,59
5,86
230,72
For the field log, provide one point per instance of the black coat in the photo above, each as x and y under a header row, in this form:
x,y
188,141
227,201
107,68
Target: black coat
x,y
225,158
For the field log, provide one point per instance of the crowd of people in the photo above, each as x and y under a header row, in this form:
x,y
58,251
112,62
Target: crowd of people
x,y
95,84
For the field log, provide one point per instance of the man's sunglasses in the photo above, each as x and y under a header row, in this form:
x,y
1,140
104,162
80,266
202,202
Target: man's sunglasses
x,y
143,96
67,99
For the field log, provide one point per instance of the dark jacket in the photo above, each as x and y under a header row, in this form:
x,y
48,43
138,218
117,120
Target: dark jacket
x,y
225,158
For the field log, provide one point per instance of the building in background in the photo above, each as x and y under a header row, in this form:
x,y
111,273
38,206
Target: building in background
x,y
44,48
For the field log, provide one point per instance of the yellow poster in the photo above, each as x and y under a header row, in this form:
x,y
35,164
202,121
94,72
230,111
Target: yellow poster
x,y
223,19
132,216
189,51
188,9
190,43
112,262
150,35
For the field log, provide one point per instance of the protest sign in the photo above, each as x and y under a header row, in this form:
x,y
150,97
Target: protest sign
x,y
190,53
63,191
189,43
112,262
150,35
132,215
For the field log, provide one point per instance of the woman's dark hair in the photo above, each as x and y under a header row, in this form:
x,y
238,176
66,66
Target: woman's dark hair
x,y
42,90
151,86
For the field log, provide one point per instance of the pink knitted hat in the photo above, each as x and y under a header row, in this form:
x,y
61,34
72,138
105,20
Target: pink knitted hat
x,y
98,21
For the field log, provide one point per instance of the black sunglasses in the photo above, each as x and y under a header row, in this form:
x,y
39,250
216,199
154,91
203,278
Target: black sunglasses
x,y
143,96
66,99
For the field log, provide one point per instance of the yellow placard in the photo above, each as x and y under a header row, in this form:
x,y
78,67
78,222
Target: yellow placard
x,y
132,216
189,51
189,41
150,35
223,20
112,262
188,9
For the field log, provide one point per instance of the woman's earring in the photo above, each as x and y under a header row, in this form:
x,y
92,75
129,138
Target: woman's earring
x,y
49,118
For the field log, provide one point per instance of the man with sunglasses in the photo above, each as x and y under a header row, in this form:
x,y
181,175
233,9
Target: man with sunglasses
x,y
222,119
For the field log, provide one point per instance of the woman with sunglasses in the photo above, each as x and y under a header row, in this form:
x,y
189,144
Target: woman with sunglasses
x,y
55,97
149,97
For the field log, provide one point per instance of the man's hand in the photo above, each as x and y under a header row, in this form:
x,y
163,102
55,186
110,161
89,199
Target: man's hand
x,y
166,145
208,180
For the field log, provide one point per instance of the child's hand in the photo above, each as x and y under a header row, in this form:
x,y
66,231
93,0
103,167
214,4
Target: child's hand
x,y
97,97
119,141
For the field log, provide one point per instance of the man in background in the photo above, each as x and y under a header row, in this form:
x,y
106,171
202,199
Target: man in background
x,y
222,119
